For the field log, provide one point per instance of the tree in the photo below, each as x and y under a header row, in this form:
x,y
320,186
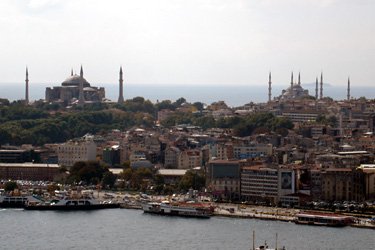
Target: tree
x,y
159,183
4,102
126,164
165,104
126,174
136,178
198,105
10,186
179,101
5,136
52,188
108,180
192,179
90,172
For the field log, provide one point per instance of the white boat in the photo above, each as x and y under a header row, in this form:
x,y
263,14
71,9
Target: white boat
x,y
10,201
199,210
74,202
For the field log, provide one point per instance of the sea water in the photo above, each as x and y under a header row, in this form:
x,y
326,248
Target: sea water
x,y
132,229
233,95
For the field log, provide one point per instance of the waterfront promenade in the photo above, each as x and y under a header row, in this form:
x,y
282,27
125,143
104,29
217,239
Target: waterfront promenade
x,y
274,213
258,212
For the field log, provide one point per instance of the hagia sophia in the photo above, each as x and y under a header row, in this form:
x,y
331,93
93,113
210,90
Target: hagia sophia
x,y
69,91
75,90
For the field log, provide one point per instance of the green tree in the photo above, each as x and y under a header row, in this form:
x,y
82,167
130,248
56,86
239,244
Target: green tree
x,y
10,186
192,179
91,172
165,104
108,179
179,101
5,136
198,105
4,102
159,183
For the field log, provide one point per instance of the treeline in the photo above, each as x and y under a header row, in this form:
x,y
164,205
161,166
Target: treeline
x,y
63,126
45,123
50,123
141,179
241,125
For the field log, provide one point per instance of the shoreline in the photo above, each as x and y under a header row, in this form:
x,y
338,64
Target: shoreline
x,y
275,214
263,213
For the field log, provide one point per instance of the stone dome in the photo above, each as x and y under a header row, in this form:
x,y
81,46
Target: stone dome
x,y
74,80
295,91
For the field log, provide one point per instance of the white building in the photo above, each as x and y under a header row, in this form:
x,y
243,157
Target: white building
x,y
259,183
73,151
301,116
266,184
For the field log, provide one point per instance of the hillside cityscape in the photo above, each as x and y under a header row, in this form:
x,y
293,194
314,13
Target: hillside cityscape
x,y
187,124
296,150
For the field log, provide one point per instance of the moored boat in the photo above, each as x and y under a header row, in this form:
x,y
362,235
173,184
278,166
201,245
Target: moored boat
x,y
185,209
10,201
83,202
323,219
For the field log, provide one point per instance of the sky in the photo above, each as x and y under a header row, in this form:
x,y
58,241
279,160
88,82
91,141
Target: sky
x,y
182,42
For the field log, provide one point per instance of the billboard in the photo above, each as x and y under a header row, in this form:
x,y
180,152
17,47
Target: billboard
x,y
286,180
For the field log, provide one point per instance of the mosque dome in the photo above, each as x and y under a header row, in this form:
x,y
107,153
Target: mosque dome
x,y
73,81
294,91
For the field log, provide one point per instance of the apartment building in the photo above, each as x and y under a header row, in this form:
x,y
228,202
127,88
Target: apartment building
x,y
252,151
223,178
78,150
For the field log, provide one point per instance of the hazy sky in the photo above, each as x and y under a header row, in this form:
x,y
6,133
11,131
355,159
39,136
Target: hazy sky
x,y
188,41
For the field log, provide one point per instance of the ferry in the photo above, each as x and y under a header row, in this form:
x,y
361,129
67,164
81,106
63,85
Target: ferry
x,y
185,209
323,219
83,202
10,201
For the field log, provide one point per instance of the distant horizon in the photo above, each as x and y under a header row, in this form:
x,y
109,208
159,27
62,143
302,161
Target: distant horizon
x,y
232,95
97,84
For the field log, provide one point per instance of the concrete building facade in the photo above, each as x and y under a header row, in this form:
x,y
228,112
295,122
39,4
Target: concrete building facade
x,y
73,151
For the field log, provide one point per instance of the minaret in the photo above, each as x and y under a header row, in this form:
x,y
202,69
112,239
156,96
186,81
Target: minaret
x,y
316,88
269,87
321,85
299,78
71,73
27,87
348,94
121,81
81,99
291,81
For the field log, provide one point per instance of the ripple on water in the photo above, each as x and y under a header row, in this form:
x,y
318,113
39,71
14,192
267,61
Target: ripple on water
x,y
131,229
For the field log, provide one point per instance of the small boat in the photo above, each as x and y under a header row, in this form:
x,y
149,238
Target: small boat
x,y
323,219
265,245
185,209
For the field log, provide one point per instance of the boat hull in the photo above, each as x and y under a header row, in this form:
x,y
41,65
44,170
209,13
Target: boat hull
x,y
14,201
320,224
323,219
18,204
72,208
182,211
179,214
